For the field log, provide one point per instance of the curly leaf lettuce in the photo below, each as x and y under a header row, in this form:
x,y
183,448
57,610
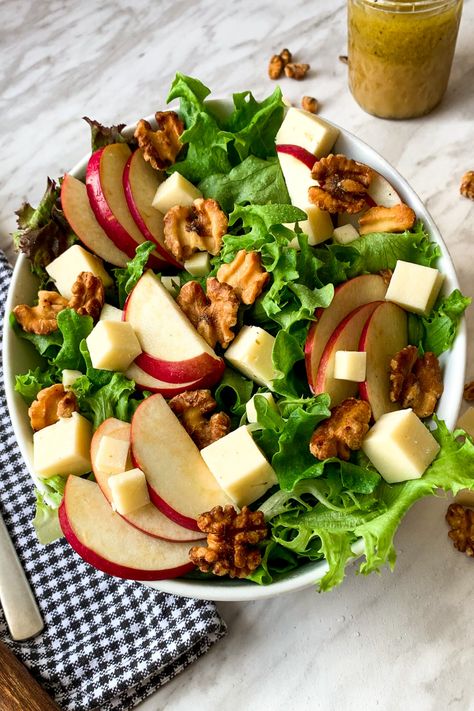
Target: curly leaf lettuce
x,y
112,399
441,326
127,277
48,500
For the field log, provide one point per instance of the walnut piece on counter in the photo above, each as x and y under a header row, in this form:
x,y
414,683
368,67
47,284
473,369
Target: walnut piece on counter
x,y
296,70
343,431
344,59
397,218
232,541
245,274
309,103
192,228
88,295
213,314
461,521
41,319
191,408
416,381
343,184
160,148
51,404
469,392
278,62
467,185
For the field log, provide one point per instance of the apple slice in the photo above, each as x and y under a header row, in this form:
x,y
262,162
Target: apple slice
x,y
380,192
148,518
384,334
145,381
173,351
140,183
179,481
79,214
106,541
345,337
107,199
301,154
347,297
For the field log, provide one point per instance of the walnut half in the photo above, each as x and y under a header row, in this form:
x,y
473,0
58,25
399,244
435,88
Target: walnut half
x,y
192,228
192,408
213,314
88,295
41,319
416,382
160,148
51,404
461,521
397,218
245,274
343,431
343,184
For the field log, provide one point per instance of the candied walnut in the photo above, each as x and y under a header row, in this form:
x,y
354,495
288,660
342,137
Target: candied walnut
x,y
192,228
461,521
41,319
343,431
232,541
296,71
88,295
387,219
51,404
245,275
309,103
343,184
467,185
275,67
286,56
386,275
469,392
213,314
415,381
160,148
192,407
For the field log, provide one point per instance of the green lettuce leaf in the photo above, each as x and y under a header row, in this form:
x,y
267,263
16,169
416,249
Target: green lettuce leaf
x,y
441,326
114,399
48,500
255,124
74,329
127,277
29,384
233,392
47,346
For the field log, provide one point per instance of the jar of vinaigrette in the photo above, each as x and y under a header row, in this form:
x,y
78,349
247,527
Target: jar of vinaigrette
x,y
400,54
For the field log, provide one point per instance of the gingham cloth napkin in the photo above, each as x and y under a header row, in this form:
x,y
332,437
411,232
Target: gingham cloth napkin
x,y
107,643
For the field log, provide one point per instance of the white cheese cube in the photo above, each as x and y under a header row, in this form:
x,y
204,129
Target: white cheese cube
x,y
350,365
171,284
345,234
400,446
65,269
70,377
112,455
466,421
110,313
251,353
239,467
129,491
113,345
63,448
199,264
250,406
414,287
175,190
302,128
465,498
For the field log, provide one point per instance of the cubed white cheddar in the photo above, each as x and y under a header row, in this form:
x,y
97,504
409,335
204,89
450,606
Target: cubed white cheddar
x,y
465,498
466,421
129,491
63,448
239,466
414,287
304,129
175,190
350,365
171,284
251,353
70,377
110,313
251,410
113,345
400,446
65,269
199,264
345,234
112,455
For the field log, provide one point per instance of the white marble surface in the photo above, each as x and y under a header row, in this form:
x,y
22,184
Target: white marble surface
x,y
394,641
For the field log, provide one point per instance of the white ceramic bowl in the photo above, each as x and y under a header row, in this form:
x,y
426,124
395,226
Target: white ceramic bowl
x,y
18,356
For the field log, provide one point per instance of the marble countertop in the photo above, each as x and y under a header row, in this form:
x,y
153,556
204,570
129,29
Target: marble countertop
x,y
400,640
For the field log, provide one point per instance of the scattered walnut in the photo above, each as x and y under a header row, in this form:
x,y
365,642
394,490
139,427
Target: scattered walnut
x,y
160,148
296,71
275,67
41,319
344,58
213,314
461,521
286,56
309,103
190,228
245,275
416,382
232,541
343,431
469,392
387,219
467,185
51,404
343,184
88,295
192,407
386,275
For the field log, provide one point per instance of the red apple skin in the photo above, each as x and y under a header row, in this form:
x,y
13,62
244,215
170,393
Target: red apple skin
x,y
298,152
200,367
142,382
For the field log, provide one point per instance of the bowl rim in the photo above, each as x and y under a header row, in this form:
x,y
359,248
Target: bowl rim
x,y
310,573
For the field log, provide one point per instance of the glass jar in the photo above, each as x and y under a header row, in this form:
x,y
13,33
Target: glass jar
x,y
400,54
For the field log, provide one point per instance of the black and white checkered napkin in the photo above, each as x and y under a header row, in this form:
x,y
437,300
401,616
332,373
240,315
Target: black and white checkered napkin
x,y
107,643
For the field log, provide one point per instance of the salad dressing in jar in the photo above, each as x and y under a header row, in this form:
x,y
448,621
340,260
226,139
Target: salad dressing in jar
x,y
400,54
